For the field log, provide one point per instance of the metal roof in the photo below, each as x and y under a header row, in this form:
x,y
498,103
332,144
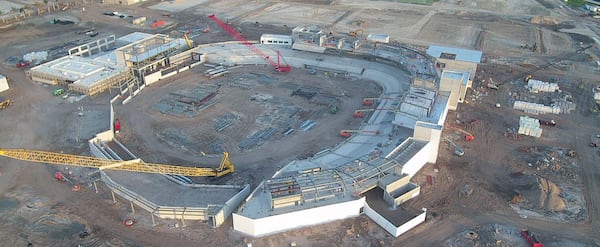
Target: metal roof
x,y
465,55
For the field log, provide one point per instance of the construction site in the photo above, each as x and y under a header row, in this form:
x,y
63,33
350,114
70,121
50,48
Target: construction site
x,y
449,123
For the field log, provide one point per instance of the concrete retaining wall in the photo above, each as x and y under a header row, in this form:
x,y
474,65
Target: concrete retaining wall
x,y
391,228
232,204
297,219
411,223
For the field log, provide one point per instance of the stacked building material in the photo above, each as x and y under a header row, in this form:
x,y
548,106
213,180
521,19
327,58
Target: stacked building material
x,y
536,86
529,126
536,108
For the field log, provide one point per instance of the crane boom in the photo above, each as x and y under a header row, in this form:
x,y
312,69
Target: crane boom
x,y
187,40
238,36
224,168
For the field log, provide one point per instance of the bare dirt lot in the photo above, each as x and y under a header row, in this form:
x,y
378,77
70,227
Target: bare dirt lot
x,y
481,199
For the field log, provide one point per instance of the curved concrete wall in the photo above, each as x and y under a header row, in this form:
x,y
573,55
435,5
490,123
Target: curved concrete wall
x,y
391,80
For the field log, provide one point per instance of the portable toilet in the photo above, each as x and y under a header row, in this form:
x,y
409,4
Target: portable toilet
x,y
3,83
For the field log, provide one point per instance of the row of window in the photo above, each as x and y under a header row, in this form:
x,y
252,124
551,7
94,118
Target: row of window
x,y
283,42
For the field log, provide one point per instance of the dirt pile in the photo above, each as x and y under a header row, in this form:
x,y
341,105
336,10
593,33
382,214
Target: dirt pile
x,y
537,193
550,196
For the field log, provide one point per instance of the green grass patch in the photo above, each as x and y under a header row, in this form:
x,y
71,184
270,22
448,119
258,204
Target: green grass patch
x,y
422,2
576,3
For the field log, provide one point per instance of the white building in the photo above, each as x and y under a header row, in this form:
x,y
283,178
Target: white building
x,y
276,39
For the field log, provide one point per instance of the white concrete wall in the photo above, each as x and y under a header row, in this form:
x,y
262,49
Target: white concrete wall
x,y
380,220
442,119
297,219
152,78
169,74
415,163
391,228
3,83
411,223
431,133
235,201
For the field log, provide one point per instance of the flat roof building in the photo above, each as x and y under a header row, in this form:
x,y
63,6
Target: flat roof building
x,y
455,59
90,69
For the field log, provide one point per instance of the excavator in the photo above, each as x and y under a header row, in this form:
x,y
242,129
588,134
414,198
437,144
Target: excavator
x,y
5,103
137,165
468,136
357,33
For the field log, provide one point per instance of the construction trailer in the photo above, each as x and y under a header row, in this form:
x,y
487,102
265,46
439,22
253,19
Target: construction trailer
x,y
276,39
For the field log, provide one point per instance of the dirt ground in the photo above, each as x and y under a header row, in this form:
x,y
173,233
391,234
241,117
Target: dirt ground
x,y
257,104
481,199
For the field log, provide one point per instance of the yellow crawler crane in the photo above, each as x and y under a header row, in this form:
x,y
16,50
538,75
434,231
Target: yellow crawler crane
x,y
224,168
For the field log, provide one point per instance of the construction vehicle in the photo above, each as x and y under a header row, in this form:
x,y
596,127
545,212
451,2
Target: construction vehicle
x,y
5,103
595,141
458,150
491,85
468,136
360,114
551,123
187,40
206,29
334,109
348,133
23,64
137,165
531,239
371,101
356,33
58,91
117,126
278,66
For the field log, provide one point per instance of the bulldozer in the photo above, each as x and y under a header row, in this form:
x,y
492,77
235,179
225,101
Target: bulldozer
x,y
5,103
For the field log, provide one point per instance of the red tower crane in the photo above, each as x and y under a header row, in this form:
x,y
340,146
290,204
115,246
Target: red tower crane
x,y
278,66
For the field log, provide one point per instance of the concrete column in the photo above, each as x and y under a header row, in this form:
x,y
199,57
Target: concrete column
x,y
153,220
113,197
132,208
96,187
